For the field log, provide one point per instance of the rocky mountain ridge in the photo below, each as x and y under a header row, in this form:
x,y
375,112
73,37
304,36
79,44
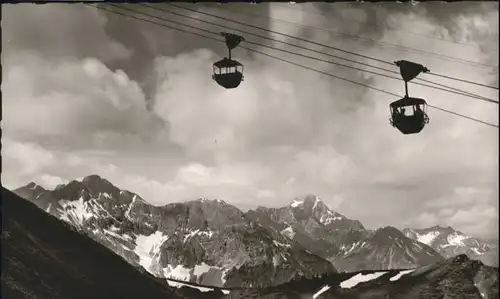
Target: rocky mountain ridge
x,y
343,241
203,241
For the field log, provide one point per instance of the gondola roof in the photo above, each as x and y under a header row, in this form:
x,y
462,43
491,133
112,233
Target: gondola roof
x,y
407,101
226,62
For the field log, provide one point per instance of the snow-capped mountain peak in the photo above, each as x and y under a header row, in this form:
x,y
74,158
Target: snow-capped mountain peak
x,y
311,212
424,237
212,201
311,206
296,203
309,200
450,242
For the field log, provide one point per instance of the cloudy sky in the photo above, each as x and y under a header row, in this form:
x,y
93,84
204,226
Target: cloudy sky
x,y
88,92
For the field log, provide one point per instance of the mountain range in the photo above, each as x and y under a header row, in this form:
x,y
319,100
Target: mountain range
x,y
44,257
211,242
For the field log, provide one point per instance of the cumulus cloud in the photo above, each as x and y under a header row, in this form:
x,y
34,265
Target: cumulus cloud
x,y
28,162
51,182
25,158
71,92
135,103
75,103
477,220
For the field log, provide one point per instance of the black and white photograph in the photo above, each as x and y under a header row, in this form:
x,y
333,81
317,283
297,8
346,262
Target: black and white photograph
x,y
271,150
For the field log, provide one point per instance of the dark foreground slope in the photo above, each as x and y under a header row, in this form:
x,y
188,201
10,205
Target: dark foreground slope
x,y
457,278
44,258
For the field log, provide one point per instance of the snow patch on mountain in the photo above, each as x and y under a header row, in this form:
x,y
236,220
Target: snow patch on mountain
x,y
329,217
193,233
178,272
147,247
184,273
427,238
177,284
455,239
201,269
296,203
347,249
288,232
359,278
321,291
75,211
400,274
130,206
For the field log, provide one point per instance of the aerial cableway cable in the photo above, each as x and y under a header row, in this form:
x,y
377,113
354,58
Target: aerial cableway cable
x,y
447,88
280,33
281,59
378,25
320,44
463,80
381,44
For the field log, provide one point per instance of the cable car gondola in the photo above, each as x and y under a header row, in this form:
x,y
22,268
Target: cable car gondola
x,y
227,72
408,123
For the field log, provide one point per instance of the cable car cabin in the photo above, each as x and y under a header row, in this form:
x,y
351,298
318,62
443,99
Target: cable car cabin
x,y
409,115
228,73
